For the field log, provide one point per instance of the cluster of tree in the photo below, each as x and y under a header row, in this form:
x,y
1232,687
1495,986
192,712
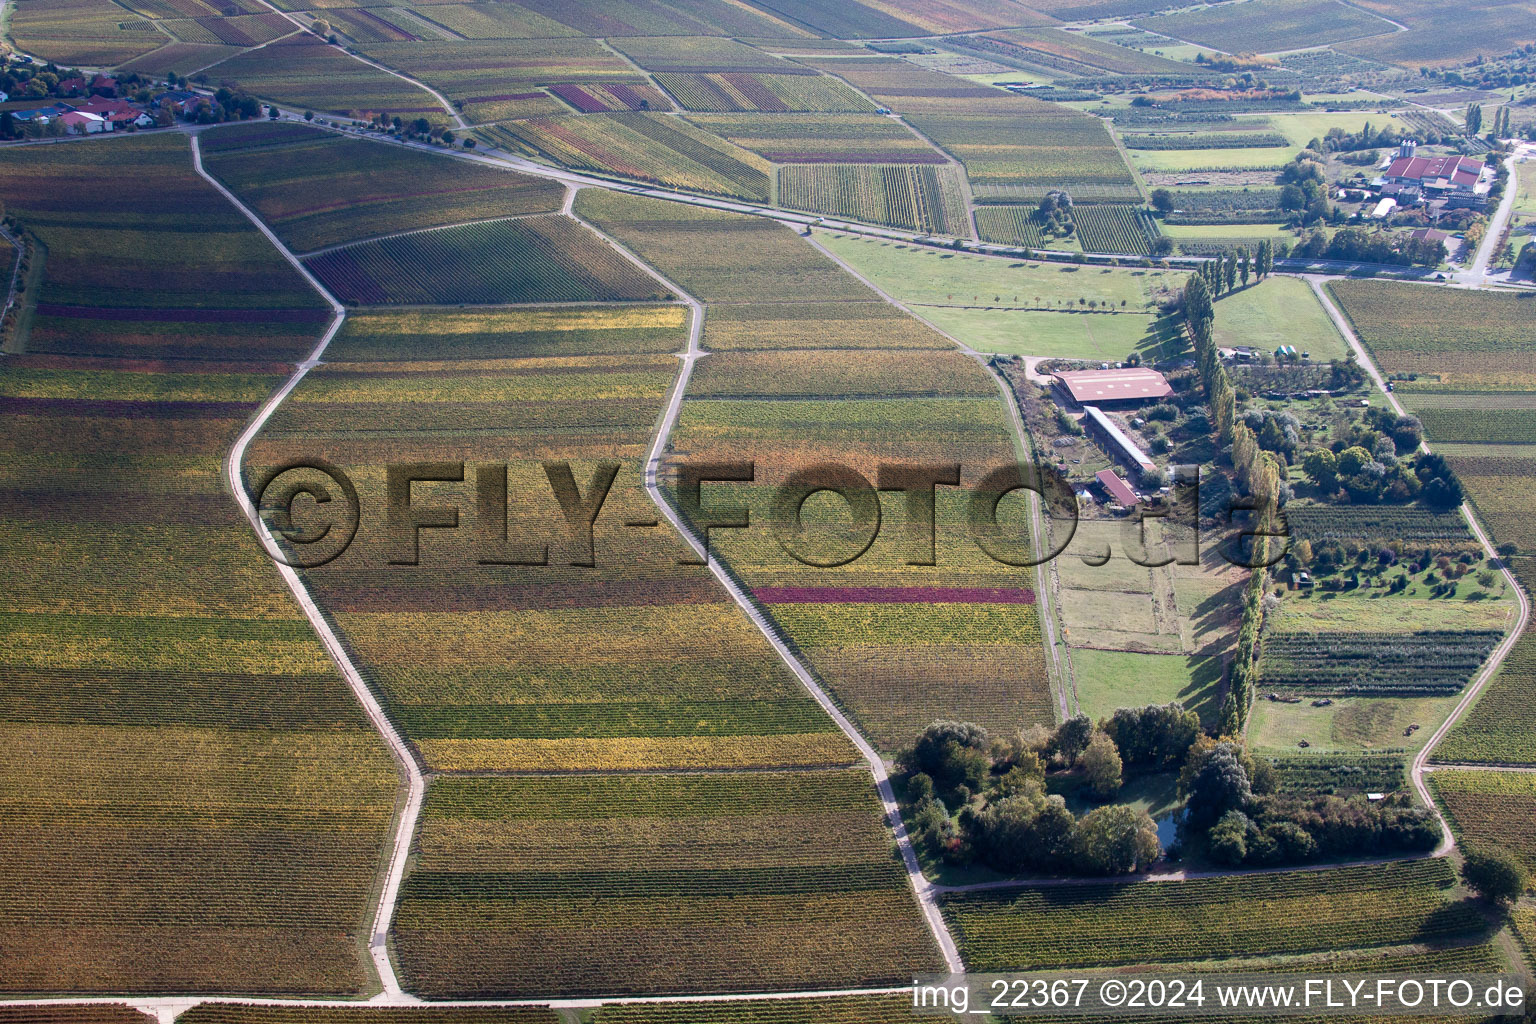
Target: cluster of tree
x,y
1304,189
1494,873
1498,130
1337,140
1231,800
1054,215
1374,462
1452,561
1353,245
1224,273
1009,822
1259,474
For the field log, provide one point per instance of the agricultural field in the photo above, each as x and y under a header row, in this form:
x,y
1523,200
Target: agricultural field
x,y
1416,664
1208,140
1490,807
1209,919
1499,487
198,802
1264,26
317,189
1033,151
644,146
915,197
1017,225
1020,307
1438,35
816,325
550,259
1065,53
1117,229
524,886
302,71
694,247
596,99
1501,727
703,55
90,32
822,138
1408,524
253,1013
493,666
1278,311
744,91
468,70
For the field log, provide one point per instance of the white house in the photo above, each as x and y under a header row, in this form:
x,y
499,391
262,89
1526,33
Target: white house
x,y
78,122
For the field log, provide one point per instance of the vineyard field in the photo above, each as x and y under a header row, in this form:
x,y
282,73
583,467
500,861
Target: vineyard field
x,y
1264,26
550,259
1497,808
1117,229
720,257
1469,340
816,325
635,662
1500,488
918,198
1501,727
1013,225
317,189
520,881
1425,663
89,32
1160,922
742,91
197,802
822,138
1410,524
1046,150
1485,425
642,146
302,71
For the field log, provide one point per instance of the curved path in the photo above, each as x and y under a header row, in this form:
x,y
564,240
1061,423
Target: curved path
x,y
1417,770
405,826
922,889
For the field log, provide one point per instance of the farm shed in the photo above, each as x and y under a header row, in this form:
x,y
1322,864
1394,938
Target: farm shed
x,y
1129,386
1114,440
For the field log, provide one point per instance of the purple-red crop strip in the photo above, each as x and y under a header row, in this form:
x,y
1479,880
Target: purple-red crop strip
x,y
895,595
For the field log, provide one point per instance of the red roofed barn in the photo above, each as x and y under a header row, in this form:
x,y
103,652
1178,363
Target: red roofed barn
x,y
1129,386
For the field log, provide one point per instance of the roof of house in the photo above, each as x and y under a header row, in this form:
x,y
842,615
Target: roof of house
x,y
1428,234
81,117
1462,171
1117,488
1113,385
1117,437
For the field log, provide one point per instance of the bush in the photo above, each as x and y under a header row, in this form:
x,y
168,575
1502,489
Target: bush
x,y
1493,873
952,754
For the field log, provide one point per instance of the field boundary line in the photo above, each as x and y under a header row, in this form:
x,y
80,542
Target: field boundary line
x,y
1499,653
922,889
410,810
421,231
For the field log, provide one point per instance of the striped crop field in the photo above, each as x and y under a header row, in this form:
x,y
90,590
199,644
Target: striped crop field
x,y
743,91
195,800
918,198
644,146
822,138
635,662
317,189
302,71
550,258
1209,919
716,882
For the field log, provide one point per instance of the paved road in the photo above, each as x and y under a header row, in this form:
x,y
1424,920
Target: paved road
x,y
1476,276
